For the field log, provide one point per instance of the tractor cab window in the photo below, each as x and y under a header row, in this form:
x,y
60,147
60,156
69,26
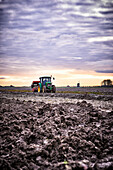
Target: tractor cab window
x,y
47,79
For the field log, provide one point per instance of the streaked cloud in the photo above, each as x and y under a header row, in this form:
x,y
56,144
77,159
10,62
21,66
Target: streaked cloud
x,y
2,78
101,39
70,58
104,71
70,34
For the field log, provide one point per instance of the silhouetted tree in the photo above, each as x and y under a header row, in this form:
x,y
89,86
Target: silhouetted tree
x,y
107,82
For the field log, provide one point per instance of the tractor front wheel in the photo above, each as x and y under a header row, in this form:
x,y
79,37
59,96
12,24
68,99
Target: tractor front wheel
x,y
53,89
44,89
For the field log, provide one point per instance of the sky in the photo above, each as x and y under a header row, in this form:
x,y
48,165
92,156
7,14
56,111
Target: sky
x,y
72,40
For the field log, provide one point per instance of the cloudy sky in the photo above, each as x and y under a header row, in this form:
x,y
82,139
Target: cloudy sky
x,y
69,39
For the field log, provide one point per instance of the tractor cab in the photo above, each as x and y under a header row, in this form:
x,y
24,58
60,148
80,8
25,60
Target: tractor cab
x,y
45,80
46,85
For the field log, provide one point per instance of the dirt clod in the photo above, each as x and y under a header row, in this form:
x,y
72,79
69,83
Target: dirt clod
x,y
36,135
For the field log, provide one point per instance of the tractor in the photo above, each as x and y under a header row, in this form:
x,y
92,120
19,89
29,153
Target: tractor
x,y
44,85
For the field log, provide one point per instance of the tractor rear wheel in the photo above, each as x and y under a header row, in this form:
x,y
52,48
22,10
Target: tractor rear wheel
x,y
44,89
39,90
53,89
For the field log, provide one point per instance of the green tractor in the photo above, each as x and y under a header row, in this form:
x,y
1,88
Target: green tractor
x,y
44,85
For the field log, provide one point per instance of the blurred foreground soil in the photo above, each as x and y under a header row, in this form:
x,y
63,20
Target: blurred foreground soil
x,y
55,131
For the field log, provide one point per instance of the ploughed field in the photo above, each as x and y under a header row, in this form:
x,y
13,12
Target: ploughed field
x,y
56,131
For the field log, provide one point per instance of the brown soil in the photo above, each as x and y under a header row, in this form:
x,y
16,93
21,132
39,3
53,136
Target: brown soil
x,y
39,136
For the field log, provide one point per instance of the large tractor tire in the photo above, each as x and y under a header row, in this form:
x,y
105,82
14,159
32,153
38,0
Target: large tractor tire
x,y
44,89
53,89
